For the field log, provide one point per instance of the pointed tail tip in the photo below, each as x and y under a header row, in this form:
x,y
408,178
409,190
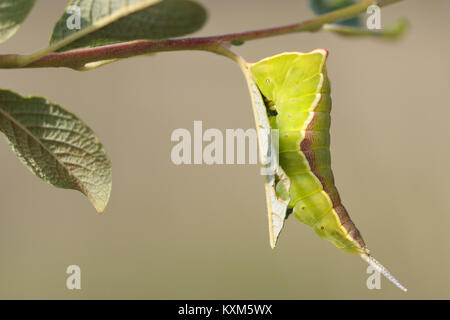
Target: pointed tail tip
x,y
380,268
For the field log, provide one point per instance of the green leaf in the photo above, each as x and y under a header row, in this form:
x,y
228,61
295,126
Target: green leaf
x,y
12,14
395,31
167,19
56,146
324,6
277,200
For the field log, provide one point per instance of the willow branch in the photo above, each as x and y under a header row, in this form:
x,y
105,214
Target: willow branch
x,y
77,59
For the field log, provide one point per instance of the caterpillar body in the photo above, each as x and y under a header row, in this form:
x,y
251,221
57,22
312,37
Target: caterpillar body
x,y
296,93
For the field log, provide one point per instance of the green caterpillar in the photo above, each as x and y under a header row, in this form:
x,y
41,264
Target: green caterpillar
x,y
296,93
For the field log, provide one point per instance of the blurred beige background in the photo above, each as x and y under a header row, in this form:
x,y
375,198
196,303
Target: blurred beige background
x,y
200,232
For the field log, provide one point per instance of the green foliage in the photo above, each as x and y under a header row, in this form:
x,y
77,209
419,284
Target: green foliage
x,y
56,146
60,149
290,92
167,19
277,200
394,31
53,143
325,6
12,14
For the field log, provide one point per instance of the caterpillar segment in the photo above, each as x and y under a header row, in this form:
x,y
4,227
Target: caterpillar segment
x,y
296,92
